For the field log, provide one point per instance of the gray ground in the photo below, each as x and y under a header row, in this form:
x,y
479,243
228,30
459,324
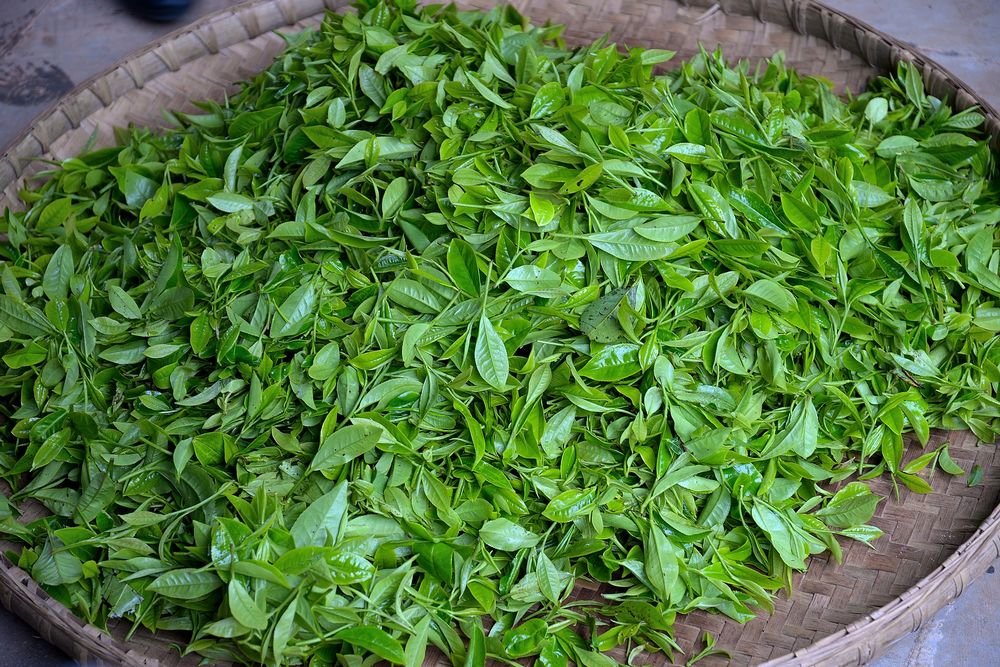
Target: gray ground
x,y
48,46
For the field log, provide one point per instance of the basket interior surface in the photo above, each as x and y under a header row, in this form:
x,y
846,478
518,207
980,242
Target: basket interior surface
x,y
207,61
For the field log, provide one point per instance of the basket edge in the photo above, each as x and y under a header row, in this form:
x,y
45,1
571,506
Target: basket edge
x,y
100,87
808,17
20,594
890,51
908,612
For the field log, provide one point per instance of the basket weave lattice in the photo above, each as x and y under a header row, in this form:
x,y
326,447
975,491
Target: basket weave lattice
x,y
839,614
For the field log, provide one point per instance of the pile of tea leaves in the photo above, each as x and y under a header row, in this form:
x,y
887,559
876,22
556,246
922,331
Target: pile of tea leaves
x,y
437,318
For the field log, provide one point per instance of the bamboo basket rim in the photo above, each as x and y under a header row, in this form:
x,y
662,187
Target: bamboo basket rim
x,y
795,10
856,643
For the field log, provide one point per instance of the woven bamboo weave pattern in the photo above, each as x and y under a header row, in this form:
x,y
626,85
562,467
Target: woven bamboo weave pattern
x,y
838,614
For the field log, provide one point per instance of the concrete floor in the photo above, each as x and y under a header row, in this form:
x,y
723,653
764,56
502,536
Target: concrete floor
x,y
963,634
48,46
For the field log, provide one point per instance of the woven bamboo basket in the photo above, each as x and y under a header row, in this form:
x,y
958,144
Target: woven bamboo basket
x,y
839,614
